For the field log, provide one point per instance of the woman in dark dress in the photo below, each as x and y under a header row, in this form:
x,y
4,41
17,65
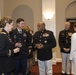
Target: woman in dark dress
x,y
6,49
30,55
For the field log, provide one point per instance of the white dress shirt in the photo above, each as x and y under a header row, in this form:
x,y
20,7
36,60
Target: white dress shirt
x,y
19,30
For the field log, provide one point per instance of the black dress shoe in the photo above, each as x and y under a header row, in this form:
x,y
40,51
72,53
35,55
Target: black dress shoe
x,y
67,74
63,73
29,73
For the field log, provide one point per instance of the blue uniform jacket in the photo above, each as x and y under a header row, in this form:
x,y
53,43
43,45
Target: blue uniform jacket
x,y
46,38
65,40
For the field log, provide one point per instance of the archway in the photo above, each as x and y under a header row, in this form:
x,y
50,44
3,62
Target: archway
x,y
24,12
70,11
70,14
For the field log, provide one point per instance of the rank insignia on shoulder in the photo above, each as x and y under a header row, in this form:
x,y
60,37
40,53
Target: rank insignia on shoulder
x,y
69,34
2,33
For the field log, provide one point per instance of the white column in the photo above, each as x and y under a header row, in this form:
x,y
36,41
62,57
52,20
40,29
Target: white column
x,y
49,17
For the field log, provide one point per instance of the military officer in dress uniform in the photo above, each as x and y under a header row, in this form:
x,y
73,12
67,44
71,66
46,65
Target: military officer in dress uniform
x,y
65,43
22,40
44,41
6,48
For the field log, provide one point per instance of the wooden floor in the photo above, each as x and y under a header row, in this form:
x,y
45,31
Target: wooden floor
x,y
56,69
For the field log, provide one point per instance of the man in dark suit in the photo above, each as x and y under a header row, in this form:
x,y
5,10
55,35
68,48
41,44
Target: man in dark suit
x,y
44,41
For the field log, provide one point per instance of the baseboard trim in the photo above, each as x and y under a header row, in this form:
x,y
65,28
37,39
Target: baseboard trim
x,y
58,60
54,62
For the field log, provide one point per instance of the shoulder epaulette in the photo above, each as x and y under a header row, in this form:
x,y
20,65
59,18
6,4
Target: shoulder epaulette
x,y
2,33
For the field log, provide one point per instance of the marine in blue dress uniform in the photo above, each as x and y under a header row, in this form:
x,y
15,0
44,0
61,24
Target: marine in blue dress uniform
x,y
65,45
44,41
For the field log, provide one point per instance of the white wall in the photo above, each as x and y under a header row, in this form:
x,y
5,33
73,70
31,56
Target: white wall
x,y
1,8
35,5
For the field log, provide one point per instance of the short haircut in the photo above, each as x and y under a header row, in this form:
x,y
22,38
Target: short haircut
x,y
19,20
41,23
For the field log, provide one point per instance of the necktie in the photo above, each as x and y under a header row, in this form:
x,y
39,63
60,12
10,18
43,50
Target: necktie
x,y
20,32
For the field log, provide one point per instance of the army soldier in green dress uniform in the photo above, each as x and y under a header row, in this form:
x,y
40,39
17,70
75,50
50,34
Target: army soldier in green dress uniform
x,y
22,40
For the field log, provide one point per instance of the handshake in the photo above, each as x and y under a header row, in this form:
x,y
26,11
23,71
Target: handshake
x,y
39,46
